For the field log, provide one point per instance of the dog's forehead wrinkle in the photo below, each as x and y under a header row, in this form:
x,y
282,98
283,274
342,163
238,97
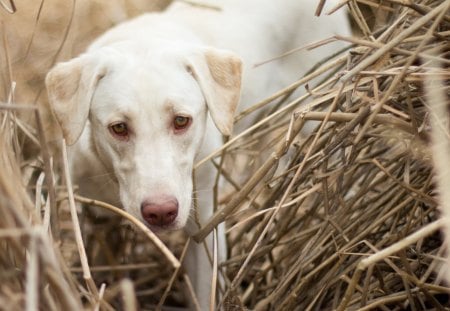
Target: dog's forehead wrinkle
x,y
181,106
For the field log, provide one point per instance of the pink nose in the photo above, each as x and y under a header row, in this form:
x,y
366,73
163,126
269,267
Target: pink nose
x,y
160,211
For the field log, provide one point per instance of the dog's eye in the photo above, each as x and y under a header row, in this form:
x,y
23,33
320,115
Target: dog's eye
x,y
119,129
181,122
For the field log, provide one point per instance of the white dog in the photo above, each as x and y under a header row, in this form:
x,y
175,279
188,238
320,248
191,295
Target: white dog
x,y
153,95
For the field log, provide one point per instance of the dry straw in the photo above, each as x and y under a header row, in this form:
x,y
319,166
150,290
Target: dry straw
x,y
340,212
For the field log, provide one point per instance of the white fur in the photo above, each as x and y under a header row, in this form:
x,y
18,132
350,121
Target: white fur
x,y
185,61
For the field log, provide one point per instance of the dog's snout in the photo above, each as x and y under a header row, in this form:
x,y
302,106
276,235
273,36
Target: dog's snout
x,y
161,211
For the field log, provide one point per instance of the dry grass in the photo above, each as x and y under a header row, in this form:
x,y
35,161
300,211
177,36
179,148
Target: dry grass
x,y
340,213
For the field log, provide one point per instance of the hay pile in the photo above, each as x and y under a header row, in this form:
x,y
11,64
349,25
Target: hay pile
x,y
331,229
342,212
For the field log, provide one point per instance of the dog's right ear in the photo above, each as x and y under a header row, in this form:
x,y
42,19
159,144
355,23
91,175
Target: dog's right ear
x,y
70,86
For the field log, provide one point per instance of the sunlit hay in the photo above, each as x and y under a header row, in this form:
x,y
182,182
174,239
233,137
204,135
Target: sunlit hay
x,y
334,227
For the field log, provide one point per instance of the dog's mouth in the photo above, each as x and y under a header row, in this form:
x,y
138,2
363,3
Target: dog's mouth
x,y
162,229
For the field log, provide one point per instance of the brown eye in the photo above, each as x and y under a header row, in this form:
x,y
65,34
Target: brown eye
x,y
181,122
119,129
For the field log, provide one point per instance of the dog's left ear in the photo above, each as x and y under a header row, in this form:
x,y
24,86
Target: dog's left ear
x,y
219,74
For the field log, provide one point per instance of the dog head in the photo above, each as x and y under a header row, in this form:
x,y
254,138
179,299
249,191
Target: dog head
x,y
145,114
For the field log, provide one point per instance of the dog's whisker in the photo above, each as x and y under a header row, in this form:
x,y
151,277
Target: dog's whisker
x,y
202,191
107,174
106,184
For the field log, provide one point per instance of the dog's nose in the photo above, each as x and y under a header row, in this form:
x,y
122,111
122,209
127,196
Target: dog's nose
x,y
160,211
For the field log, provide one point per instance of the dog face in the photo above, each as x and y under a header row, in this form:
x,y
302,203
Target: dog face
x,y
145,114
